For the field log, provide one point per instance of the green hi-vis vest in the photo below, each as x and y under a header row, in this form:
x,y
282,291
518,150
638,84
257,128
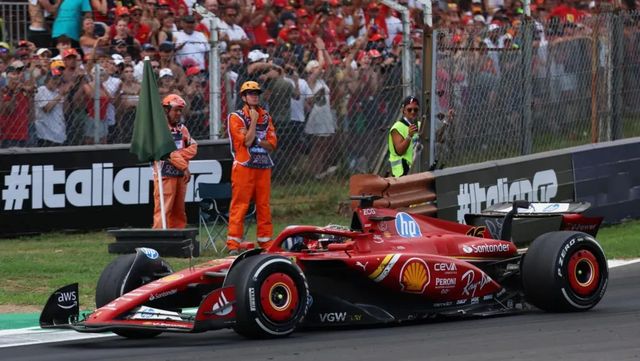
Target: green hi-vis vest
x,y
394,158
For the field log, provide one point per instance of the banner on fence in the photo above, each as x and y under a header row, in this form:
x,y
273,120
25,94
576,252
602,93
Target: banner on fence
x,y
81,188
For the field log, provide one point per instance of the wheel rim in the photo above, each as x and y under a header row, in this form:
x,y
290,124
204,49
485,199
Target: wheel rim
x,y
584,272
279,297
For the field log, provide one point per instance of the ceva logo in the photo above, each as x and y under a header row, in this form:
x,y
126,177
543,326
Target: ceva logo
x,y
406,226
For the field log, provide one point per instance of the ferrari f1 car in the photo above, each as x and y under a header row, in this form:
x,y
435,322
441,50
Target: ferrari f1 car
x,y
387,267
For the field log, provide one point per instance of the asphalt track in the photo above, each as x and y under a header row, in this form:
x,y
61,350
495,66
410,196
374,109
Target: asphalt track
x,y
608,332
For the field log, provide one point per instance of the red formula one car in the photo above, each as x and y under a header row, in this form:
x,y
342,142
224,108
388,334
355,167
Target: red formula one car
x,y
387,267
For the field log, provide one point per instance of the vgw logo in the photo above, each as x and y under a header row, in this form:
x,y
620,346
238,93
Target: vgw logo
x,y
67,300
333,317
406,226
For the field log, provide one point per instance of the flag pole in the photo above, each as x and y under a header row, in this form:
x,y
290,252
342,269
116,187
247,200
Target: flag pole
x,y
161,194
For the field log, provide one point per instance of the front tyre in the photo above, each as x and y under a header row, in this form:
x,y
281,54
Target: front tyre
x,y
564,271
124,274
271,296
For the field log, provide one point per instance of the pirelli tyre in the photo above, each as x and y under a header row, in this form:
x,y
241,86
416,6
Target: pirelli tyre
x,y
272,296
564,271
126,273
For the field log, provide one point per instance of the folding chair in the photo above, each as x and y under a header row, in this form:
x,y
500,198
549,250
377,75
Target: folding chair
x,y
215,199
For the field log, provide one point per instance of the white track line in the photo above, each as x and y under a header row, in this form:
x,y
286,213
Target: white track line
x,y
36,335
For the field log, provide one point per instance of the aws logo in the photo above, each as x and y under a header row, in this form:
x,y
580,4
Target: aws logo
x,y
406,226
67,300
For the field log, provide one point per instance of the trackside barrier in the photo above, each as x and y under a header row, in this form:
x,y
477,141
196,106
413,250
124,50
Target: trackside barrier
x,y
414,193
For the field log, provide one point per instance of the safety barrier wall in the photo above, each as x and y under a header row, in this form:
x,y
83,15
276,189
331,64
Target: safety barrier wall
x,y
607,175
75,188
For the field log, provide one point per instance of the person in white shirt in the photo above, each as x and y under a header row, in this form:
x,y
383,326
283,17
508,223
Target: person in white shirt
x,y
190,43
50,126
232,31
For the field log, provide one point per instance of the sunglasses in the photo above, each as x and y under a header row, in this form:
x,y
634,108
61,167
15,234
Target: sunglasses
x,y
253,92
11,69
412,110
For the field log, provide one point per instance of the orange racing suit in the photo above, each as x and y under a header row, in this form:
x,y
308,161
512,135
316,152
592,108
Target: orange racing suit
x,y
250,176
174,183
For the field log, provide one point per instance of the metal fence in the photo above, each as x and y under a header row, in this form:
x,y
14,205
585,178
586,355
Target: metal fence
x,y
530,88
14,20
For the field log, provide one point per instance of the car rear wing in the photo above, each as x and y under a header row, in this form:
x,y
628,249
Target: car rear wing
x,y
535,219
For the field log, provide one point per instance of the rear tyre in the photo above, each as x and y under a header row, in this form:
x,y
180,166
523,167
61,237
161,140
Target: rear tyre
x,y
118,278
564,271
272,296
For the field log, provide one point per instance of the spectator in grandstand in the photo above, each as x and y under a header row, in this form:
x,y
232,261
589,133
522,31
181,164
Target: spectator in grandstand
x,y
96,127
278,93
49,116
228,80
140,31
15,102
68,18
94,40
229,28
255,66
40,66
148,50
403,137
167,83
354,22
236,57
123,43
167,27
190,43
126,103
197,97
320,123
74,105
492,44
40,13
166,57
113,65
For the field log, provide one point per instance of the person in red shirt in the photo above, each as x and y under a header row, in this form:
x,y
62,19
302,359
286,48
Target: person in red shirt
x,y
140,31
252,139
15,103
175,171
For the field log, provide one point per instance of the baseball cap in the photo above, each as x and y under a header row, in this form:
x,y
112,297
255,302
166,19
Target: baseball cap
x,y
194,70
374,53
148,47
311,65
257,55
122,11
165,72
117,59
69,52
493,27
189,62
302,12
166,46
410,99
57,64
41,51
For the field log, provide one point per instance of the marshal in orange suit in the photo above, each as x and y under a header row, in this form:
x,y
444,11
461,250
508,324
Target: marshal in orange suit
x,y
175,170
253,138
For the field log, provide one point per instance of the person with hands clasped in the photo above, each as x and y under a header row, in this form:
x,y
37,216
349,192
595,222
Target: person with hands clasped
x,y
175,170
402,134
253,138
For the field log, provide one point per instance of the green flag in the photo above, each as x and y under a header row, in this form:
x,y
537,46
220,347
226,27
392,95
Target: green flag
x,y
151,137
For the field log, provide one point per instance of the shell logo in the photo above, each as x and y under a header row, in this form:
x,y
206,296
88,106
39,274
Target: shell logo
x,y
414,276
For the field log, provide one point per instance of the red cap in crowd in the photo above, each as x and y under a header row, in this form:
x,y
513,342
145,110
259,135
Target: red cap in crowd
x,y
279,3
194,70
302,12
374,53
122,11
376,37
69,52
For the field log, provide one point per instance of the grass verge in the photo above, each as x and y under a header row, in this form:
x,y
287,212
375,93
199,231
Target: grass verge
x,y
32,267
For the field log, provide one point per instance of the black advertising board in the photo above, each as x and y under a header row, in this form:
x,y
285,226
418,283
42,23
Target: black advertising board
x,y
608,177
70,188
544,177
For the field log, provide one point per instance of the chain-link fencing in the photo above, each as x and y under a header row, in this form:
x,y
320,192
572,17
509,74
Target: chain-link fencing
x,y
500,92
509,91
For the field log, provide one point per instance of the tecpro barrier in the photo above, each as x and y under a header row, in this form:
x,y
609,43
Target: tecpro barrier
x,y
76,188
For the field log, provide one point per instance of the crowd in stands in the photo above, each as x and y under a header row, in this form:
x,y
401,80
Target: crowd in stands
x,y
327,66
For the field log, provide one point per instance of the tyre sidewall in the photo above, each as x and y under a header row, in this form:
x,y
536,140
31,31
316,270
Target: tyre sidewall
x,y
248,277
570,246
